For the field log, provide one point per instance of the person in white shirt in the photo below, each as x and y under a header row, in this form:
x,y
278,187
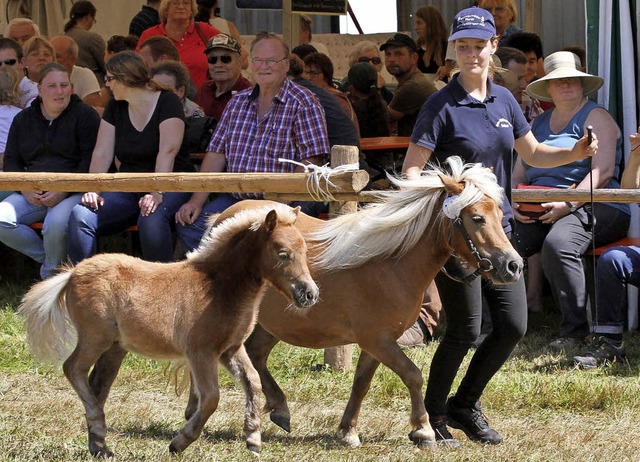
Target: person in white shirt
x,y
11,54
85,84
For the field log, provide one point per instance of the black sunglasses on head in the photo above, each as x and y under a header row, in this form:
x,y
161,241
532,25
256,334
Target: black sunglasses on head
x,y
226,59
374,60
8,62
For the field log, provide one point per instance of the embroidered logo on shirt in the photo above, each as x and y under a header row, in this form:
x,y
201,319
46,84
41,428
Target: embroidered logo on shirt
x,y
503,123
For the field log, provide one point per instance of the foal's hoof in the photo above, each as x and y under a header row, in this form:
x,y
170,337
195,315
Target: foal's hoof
x,y
255,450
353,441
281,421
102,453
173,449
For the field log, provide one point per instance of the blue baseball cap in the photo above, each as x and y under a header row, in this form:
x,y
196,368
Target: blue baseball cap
x,y
474,23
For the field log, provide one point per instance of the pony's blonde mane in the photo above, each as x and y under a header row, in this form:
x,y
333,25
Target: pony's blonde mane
x,y
393,227
217,236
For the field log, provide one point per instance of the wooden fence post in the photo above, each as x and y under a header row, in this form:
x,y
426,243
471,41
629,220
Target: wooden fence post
x,y
341,358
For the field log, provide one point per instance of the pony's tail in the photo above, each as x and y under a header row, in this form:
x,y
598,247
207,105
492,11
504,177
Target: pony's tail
x,y
50,333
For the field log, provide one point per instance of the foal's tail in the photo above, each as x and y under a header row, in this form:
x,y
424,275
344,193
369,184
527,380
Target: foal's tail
x,y
50,334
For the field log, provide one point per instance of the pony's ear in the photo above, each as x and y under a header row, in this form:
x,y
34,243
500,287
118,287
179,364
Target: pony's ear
x,y
452,187
271,221
297,210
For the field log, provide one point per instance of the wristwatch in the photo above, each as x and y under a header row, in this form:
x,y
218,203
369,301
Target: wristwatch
x,y
572,208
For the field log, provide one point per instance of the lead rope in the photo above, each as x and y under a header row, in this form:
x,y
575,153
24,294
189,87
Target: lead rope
x,y
592,225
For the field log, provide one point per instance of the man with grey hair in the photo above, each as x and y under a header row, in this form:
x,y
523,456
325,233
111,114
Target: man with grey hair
x,y
85,84
21,30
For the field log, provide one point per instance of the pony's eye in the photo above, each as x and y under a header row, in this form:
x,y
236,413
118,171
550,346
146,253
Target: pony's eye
x,y
284,255
479,219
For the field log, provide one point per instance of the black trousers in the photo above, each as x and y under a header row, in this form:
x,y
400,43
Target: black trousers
x,y
462,304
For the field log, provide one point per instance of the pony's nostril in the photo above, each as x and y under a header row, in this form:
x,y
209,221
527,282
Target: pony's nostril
x,y
514,267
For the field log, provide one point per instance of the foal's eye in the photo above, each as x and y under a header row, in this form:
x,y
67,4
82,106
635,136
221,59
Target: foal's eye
x,y
479,219
284,255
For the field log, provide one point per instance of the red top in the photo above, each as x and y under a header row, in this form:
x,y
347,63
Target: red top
x,y
190,48
212,105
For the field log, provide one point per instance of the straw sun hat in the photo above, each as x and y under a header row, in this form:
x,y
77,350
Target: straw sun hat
x,y
562,65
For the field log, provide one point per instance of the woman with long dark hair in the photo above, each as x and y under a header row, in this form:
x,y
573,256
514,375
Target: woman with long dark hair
x,y
91,46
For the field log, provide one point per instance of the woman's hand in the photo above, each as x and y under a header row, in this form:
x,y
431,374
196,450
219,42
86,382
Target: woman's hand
x,y
52,198
526,219
92,200
149,203
555,211
635,143
582,149
33,197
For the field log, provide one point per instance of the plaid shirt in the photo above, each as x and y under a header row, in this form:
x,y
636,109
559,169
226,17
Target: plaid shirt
x,y
530,107
294,128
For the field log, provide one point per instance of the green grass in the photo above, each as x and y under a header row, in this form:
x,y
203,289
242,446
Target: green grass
x,y
544,407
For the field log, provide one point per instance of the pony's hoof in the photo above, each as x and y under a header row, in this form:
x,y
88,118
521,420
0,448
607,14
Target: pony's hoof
x,y
421,441
353,441
102,453
173,449
282,422
255,450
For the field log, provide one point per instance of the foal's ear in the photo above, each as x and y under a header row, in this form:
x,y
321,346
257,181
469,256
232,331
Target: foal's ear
x,y
271,221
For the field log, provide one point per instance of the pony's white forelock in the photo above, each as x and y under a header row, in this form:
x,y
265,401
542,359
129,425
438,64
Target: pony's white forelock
x,y
393,227
251,219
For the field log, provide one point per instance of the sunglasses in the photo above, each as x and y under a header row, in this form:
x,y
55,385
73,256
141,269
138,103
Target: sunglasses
x,y
225,59
8,62
374,60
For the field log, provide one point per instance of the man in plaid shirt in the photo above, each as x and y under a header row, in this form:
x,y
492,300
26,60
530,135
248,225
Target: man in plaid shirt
x,y
275,119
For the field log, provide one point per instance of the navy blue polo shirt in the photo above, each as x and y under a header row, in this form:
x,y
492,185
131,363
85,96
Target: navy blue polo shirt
x,y
452,123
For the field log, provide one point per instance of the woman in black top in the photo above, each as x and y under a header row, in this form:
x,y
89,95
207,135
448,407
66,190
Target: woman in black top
x,y
141,130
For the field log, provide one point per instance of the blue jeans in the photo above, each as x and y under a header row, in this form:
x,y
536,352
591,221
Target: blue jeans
x,y
119,212
16,214
616,268
190,235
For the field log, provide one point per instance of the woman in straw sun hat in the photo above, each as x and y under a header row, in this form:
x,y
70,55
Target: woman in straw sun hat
x,y
482,122
562,232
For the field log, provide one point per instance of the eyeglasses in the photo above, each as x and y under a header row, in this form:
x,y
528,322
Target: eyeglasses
x,y
365,59
497,9
109,78
313,72
225,59
8,62
180,3
270,62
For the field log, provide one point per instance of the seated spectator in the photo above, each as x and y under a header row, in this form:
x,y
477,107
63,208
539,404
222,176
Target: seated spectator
x,y
367,52
617,267
83,80
175,76
147,17
433,37
297,132
209,12
160,48
190,37
55,134
516,61
581,53
11,55
401,60
91,46
531,45
21,30
505,14
318,69
563,231
38,52
116,44
223,58
9,108
306,36
340,130
302,51
142,130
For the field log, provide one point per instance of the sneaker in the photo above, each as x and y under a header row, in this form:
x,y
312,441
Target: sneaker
x,y
601,350
412,337
443,437
563,343
472,422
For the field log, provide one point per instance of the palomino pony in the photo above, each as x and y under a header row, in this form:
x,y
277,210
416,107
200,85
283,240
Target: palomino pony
x,y
373,267
201,309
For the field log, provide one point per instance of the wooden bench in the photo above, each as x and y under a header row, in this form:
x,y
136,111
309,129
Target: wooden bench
x,y
384,143
635,241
